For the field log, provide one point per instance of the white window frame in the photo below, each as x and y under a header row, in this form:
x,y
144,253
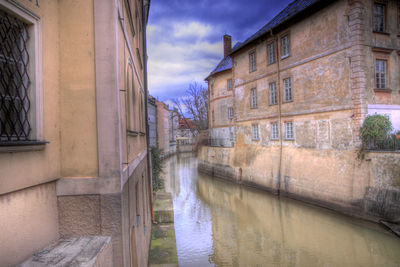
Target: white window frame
x,y
271,53
287,89
230,113
253,98
252,61
34,48
289,132
381,27
230,84
273,98
285,44
274,131
381,74
254,132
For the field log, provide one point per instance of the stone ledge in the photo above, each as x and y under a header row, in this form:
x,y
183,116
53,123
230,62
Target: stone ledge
x,y
88,251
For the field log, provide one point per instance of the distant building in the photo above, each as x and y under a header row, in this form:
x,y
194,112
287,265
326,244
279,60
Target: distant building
x,y
163,127
152,117
293,97
73,150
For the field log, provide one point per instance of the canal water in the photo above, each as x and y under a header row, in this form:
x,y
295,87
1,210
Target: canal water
x,y
223,224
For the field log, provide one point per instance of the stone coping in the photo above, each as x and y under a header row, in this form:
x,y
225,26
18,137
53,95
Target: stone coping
x,y
80,252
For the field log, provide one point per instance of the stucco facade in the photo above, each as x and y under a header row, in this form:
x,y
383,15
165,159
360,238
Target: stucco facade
x,y
83,169
299,108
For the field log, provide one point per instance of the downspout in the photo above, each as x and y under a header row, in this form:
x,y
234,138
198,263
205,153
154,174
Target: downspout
x,y
145,7
278,85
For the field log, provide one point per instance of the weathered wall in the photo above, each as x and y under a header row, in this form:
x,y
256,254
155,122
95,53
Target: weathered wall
x,y
337,179
28,222
220,99
78,96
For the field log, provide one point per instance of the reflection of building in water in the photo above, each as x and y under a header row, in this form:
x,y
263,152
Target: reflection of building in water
x,y
253,228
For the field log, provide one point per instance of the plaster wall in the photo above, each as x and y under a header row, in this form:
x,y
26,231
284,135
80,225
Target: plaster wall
x,y
78,95
28,222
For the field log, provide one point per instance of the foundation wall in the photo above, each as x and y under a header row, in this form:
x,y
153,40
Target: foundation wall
x,y
368,188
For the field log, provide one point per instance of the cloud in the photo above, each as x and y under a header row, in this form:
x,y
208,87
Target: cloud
x,y
185,38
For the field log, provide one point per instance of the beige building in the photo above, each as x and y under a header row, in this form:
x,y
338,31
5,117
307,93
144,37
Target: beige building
x,y
73,150
302,86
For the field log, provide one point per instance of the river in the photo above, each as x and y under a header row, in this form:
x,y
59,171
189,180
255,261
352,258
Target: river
x,y
218,223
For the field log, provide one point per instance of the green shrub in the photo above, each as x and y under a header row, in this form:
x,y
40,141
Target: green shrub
x,y
156,168
376,128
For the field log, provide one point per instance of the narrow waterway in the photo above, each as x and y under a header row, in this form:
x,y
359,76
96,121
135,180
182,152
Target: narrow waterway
x,y
223,224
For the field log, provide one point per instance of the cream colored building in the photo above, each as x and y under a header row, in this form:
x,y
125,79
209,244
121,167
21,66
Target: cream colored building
x,y
302,87
73,150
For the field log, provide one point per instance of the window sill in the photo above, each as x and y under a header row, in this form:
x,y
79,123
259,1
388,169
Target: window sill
x,y
284,57
253,107
384,33
271,63
273,139
132,133
22,146
250,71
142,133
273,104
383,91
289,139
285,102
255,140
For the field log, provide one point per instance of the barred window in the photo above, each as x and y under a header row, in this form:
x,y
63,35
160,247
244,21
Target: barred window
x,y
230,84
253,98
379,17
274,131
272,94
285,46
14,79
287,87
230,113
380,74
254,132
252,61
271,53
289,131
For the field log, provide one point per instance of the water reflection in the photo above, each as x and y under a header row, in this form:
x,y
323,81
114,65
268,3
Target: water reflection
x,y
223,224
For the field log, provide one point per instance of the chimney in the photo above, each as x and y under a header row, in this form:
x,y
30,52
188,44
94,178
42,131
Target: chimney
x,y
227,45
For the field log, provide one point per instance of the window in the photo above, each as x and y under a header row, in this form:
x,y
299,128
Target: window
x,y
289,131
230,85
254,132
287,88
285,46
252,61
213,117
272,94
380,74
20,110
212,88
271,53
379,17
274,131
230,113
253,98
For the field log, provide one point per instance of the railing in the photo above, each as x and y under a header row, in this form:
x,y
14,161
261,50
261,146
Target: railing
x,y
389,144
220,142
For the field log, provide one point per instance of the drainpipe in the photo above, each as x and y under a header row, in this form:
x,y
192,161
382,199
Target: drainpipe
x,y
145,8
278,85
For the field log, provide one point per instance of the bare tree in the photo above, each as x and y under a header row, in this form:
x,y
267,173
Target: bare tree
x,y
195,104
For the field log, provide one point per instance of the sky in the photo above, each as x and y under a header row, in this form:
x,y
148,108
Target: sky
x,y
184,38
